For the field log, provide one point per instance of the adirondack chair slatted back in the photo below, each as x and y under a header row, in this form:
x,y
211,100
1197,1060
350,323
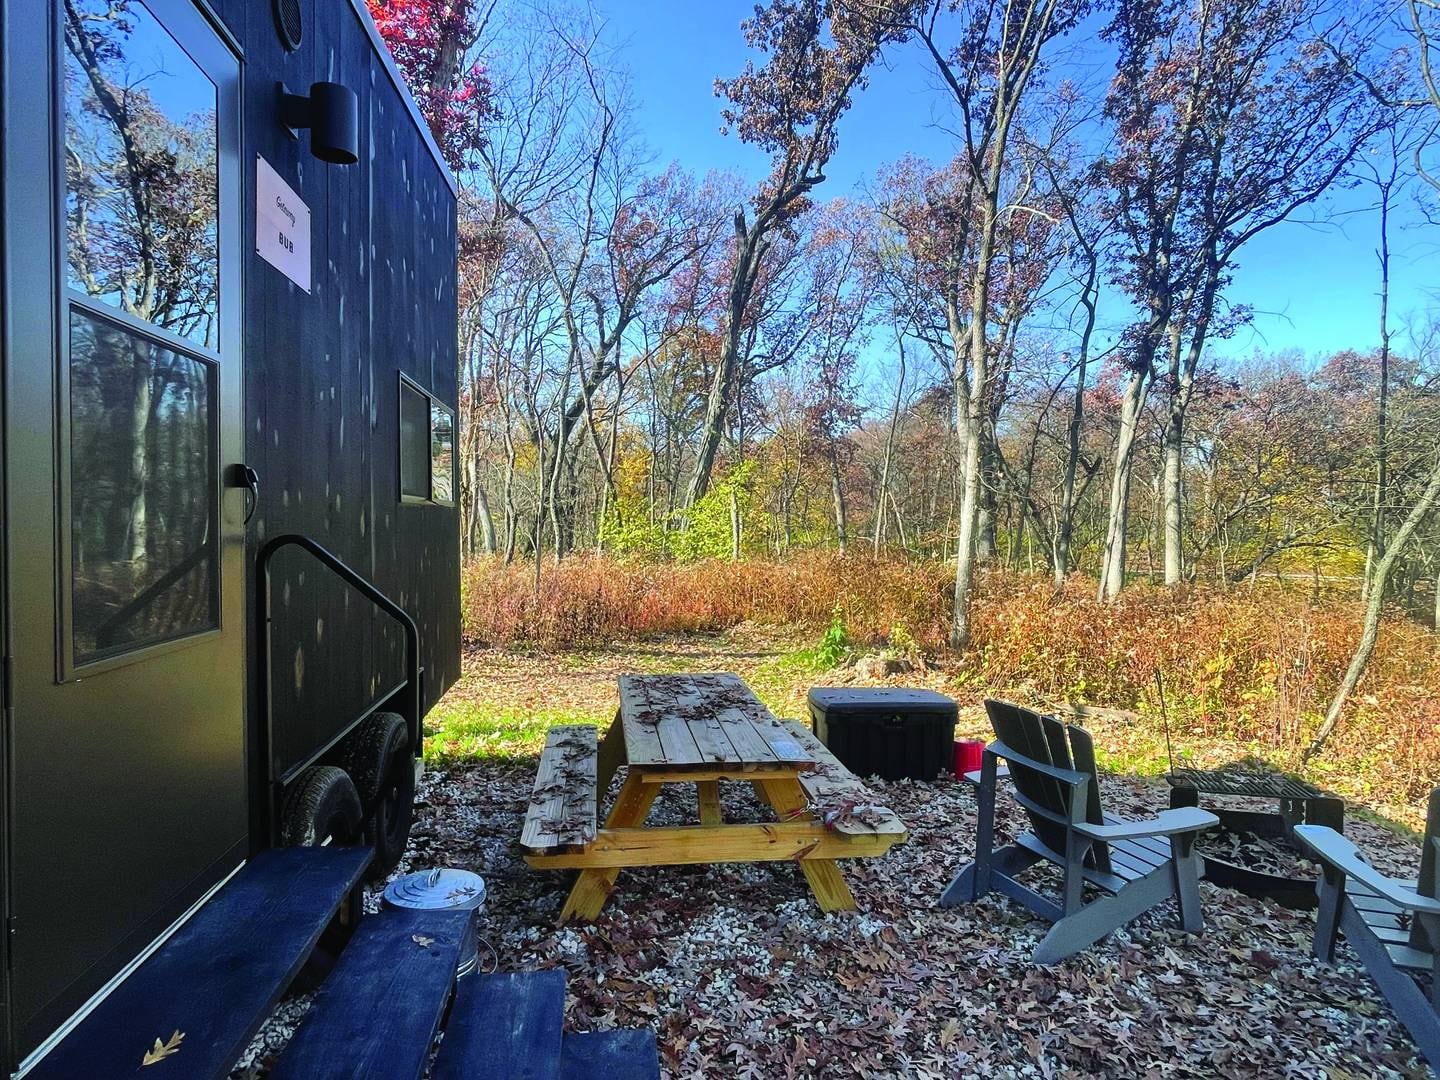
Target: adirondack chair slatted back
x,y
1429,881
1082,749
1048,741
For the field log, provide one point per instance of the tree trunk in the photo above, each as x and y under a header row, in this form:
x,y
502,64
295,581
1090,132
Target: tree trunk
x,y
750,249
905,541
1382,415
1112,572
1370,629
141,393
971,424
969,520
889,451
1065,532
487,520
986,546
1172,442
837,493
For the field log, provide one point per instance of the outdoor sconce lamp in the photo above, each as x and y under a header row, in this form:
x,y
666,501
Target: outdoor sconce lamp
x,y
332,113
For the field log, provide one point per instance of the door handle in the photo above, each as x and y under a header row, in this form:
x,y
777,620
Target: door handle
x,y
243,476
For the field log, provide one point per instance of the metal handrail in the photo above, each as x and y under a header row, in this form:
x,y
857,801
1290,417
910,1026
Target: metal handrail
x,y
366,589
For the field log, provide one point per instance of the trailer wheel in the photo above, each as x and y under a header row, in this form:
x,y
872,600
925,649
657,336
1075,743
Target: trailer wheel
x,y
378,759
322,807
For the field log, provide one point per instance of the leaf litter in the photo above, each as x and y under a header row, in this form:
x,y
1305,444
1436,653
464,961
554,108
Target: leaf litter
x,y
741,975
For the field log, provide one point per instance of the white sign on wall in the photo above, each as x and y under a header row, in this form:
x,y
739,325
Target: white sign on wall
x,y
282,225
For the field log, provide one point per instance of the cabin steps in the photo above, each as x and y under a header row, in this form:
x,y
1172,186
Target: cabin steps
x,y
526,1010
511,1027
204,993
608,1055
377,1013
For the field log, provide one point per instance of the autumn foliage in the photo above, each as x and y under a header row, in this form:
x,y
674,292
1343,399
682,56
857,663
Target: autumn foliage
x,y
1250,665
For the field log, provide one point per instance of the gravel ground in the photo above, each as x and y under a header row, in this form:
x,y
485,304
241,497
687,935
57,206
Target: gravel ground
x,y
741,975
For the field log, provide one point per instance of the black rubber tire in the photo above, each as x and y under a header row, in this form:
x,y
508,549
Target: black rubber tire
x,y
366,754
323,805
387,828
378,758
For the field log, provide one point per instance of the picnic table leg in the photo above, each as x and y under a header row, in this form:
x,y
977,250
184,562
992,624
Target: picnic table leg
x,y
787,798
592,887
610,756
707,793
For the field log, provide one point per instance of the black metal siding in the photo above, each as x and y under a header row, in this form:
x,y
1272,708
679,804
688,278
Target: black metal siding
x,y
322,374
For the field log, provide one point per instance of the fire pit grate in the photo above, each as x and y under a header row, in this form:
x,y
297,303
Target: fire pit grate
x,y
1255,785
1297,801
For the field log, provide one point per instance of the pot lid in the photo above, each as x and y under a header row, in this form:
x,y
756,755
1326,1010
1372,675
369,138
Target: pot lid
x,y
438,888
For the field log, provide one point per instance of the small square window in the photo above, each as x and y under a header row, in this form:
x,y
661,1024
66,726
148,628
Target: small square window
x,y
442,454
414,443
427,447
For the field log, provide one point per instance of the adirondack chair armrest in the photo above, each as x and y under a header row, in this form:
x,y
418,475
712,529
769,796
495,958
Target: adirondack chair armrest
x,y
1336,851
975,777
1185,819
1014,757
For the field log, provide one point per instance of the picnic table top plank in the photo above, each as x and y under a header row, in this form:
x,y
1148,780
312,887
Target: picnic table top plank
x,y
641,741
686,702
650,707
716,714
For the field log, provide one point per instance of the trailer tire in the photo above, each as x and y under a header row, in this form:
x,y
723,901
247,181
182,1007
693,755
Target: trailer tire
x,y
366,754
377,757
323,805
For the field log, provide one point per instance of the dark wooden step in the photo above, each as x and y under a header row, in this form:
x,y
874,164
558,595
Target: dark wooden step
x,y
376,1015
505,1027
623,1054
218,976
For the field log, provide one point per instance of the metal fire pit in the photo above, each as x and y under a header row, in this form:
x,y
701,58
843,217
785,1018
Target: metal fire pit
x,y
1298,803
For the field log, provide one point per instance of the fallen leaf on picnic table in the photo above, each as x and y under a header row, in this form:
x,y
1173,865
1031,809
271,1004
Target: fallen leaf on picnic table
x,y
160,1051
421,940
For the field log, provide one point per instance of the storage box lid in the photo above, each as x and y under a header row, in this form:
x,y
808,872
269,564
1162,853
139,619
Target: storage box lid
x,y
881,700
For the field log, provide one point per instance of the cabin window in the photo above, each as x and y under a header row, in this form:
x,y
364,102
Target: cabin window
x,y
427,447
142,498
414,443
442,454
141,171
142,284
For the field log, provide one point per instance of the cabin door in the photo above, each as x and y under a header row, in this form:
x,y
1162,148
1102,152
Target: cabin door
x,y
123,421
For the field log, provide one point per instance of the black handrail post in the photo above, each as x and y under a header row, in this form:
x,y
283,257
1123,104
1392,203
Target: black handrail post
x,y
264,615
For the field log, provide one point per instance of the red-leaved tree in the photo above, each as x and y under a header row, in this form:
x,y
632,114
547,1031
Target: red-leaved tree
x,y
433,42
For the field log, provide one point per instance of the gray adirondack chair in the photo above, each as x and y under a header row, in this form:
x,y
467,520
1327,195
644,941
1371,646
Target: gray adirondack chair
x,y
1393,925
1137,864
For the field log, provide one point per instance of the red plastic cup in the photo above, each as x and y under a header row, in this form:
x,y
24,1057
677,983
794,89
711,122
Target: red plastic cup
x,y
968,755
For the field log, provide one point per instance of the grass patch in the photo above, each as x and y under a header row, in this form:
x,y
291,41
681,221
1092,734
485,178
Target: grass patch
x,y
464,732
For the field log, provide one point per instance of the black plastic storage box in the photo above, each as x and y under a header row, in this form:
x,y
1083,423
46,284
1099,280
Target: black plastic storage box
x,y
895,734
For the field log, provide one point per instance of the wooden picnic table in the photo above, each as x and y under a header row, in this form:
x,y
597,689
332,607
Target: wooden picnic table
x,y
697,729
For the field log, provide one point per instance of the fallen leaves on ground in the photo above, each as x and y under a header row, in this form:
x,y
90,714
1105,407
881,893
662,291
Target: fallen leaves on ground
x,y
741,974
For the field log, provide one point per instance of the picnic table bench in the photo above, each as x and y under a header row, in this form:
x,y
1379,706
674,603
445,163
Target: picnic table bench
x,y
697,729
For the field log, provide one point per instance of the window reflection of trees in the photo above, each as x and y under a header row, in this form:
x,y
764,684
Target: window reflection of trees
x,y
141,176
142,490
141,236
442,453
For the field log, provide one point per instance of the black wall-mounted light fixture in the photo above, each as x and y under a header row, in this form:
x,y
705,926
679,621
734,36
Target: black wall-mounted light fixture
x,y
332,113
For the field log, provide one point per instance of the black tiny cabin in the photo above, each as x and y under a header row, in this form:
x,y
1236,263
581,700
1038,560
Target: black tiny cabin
x,y
230,547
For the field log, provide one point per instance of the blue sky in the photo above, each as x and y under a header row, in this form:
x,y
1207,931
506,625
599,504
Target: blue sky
x,y
1313,286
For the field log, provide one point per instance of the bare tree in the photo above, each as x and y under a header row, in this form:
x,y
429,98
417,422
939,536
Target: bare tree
x,y
790,108
1230,119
